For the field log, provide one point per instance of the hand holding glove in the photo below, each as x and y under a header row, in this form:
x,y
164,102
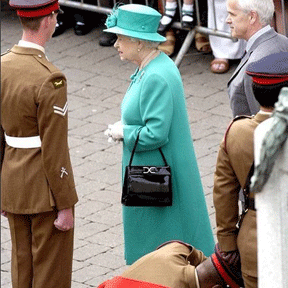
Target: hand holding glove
x,y
115,131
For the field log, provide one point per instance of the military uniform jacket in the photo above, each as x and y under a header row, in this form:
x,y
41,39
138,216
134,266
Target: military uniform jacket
x,y
235,157
173,265
242,100
34,102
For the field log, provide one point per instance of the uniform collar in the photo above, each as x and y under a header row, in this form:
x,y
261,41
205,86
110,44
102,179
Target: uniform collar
x,y
27,44
262,116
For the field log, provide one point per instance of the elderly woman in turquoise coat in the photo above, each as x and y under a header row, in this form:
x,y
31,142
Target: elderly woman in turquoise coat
x,y
155,106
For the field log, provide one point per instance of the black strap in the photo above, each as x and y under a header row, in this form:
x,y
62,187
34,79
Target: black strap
x,y
134,148
251,204
246,191
247,203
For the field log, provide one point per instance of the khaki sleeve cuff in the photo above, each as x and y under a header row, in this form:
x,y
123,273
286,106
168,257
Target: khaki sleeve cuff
x,y
227,243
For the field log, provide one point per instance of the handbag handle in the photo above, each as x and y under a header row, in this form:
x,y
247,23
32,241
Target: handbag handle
x,y
134,148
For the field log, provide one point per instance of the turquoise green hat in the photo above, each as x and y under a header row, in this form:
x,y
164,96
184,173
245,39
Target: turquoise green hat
x,y
136,21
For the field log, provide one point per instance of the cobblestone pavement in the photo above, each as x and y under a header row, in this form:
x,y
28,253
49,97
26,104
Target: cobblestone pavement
x,y
97,81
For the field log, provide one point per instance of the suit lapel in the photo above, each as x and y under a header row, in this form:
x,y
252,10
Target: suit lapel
x,y
241,64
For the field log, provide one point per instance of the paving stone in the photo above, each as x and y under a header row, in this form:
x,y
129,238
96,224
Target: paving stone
x,y
88,129
89,229
88,168
110,175
5,279
89,272
88,251
106,156
89,208
106,217
108,260
222,109
104,195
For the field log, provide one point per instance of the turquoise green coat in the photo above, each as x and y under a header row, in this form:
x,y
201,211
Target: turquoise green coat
x,y
155,104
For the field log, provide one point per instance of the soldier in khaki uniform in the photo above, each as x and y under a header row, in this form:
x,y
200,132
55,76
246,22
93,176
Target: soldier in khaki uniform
x,y
179,265
234,161
37,185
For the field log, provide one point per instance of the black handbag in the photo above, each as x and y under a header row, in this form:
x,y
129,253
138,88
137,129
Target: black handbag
x,y
147,185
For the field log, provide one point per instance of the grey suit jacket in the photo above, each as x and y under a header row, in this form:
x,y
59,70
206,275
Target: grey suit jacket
x,y
242,100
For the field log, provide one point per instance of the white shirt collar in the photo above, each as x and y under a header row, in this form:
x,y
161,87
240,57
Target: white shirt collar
x,y
265,113
28,44
252,39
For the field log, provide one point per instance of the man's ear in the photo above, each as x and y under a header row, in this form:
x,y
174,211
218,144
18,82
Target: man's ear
x,y
253,17
45,21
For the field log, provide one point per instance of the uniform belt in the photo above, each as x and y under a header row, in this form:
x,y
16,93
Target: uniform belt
x,y
23,142
251,204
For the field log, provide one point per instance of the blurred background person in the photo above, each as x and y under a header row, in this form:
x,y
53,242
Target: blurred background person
x,y
224,50
81,20
187,18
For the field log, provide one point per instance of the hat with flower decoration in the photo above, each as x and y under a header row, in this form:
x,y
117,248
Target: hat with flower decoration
x,y
35,8
136,21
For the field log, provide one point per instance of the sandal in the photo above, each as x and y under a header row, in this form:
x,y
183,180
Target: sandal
x,y
219,66
202,43
168,46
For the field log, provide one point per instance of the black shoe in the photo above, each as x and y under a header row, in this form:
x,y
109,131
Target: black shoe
x,y
163,28
81,28
107,39
187,24
59,29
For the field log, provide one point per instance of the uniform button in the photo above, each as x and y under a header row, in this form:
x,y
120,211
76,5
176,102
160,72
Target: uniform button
x,y
39,56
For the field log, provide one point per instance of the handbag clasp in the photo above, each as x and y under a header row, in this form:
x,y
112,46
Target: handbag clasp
x,y
147,170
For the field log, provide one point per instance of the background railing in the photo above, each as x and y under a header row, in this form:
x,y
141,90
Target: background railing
x,y
101,7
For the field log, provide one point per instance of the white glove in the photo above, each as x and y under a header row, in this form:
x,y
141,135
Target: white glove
x,y
115,132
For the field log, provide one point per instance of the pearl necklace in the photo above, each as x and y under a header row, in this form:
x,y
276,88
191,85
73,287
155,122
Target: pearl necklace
x,y
153,54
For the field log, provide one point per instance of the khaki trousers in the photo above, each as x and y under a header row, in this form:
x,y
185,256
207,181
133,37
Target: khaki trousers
x,y
41,254
249,281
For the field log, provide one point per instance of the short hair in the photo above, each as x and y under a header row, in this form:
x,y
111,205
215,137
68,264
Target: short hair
x,y
268,95
264,8
32,23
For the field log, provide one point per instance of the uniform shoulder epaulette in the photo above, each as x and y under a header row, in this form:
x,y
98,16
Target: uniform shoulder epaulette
x,y
230,124
46,63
